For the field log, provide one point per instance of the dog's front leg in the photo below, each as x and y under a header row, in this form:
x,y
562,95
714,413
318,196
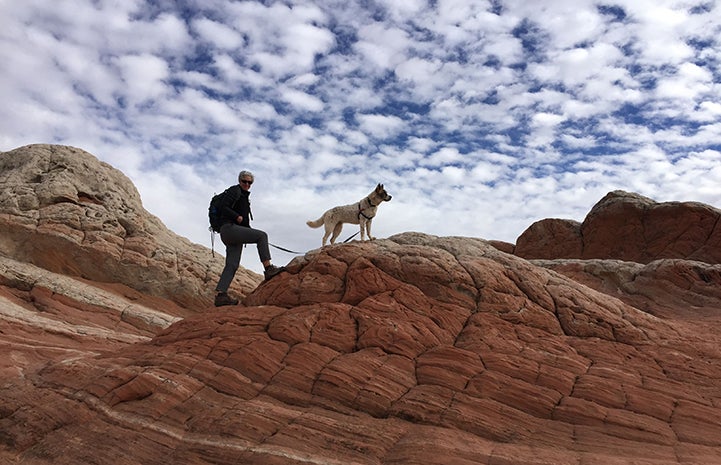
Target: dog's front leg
x,y
368,230
362,224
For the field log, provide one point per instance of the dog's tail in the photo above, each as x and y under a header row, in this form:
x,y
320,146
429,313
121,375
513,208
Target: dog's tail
x,y
315,224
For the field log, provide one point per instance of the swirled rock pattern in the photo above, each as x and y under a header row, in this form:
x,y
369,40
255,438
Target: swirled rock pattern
x,y
414,349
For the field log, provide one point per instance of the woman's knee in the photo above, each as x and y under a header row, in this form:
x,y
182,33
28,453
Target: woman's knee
x,y
259,236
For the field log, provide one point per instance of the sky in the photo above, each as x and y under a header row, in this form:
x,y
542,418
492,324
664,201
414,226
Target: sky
x,y
479,117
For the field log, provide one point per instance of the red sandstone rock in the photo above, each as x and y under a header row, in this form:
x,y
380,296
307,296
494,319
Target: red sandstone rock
x,y
525,365
629,227
550,238
411,350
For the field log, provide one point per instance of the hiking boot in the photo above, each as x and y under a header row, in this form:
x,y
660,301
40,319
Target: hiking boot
x,y
273,270
222,298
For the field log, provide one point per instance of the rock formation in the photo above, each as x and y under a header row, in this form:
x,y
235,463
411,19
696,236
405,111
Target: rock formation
x,y
629,227
414,349
65,211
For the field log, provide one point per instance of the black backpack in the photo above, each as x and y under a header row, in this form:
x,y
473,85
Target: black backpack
x,y
214,214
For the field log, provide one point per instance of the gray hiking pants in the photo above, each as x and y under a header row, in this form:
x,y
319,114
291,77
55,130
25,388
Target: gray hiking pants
x,y
234,237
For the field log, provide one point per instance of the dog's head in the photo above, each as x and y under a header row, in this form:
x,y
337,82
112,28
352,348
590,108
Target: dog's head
x,y
382,194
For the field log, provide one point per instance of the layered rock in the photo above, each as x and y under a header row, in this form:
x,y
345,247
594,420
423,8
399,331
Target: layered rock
x,y
65,211
414,349
670,288
629,227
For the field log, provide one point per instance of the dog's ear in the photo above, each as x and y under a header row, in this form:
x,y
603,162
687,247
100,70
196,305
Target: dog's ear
x,y
379,187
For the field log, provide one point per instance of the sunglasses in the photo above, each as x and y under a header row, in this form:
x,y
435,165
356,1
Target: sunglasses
x,y
245,181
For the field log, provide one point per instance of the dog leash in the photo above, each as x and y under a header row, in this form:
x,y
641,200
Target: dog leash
x,y
300,253
212,244
284,249
354,235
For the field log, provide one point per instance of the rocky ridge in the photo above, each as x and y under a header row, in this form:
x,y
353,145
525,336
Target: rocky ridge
x,y
414,349
65,211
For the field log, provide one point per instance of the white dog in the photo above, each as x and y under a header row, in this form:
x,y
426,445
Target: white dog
x,y
361,213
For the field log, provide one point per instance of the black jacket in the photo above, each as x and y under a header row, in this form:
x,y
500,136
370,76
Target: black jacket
x,y
235,204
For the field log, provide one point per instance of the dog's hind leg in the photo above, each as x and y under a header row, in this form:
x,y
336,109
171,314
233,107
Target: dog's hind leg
x,y
336,232
328,231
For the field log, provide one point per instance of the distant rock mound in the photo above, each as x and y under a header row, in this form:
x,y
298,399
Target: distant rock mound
x,y
63,210
410,350
629,227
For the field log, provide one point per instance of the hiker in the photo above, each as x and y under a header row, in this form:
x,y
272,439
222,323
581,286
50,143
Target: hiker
x,y
235,231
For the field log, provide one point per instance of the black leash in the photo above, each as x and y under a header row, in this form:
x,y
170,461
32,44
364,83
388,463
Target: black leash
x,y
284,249
354,235
212,244
300,253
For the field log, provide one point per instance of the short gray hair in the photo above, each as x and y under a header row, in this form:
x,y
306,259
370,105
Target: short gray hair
x,y
245,174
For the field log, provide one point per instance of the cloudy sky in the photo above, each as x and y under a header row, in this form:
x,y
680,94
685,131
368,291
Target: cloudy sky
x,y
479,117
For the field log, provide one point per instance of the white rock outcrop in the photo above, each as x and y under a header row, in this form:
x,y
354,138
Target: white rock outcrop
x,y
64,210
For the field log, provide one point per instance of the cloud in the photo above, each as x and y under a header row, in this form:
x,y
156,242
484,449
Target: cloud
x,y
380,126
302,100
687,83
381,45
143,76
515,110
219,35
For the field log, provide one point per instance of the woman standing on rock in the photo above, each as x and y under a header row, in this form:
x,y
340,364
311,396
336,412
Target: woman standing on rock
x,y
235,232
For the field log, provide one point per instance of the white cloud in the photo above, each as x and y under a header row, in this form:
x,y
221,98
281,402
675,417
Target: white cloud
x,y
485,172
444,157
402,9
547,119
574,142
380,126
689,82
143,76
382,46
302,100
518,110
713,109
220,35
417,70
281,40
304,42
